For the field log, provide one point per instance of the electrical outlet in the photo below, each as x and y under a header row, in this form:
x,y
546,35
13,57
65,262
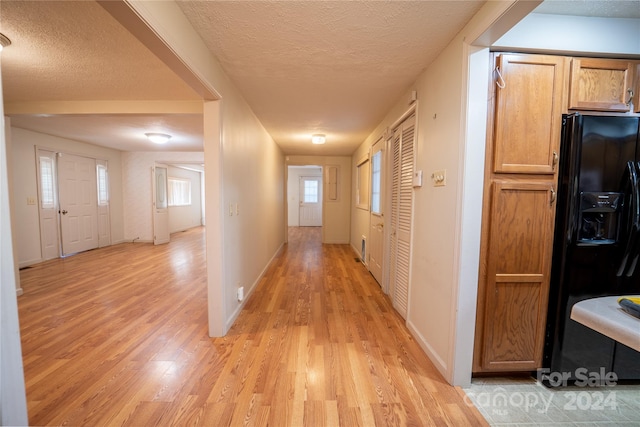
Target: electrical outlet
x,y
230,209
237,209
31,200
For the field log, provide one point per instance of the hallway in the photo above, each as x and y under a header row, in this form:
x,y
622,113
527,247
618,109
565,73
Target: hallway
x,y
118,336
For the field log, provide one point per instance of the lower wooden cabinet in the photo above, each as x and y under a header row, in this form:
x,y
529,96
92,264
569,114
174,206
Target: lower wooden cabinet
x,y
518,265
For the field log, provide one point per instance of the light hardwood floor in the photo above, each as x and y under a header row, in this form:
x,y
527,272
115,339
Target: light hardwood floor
x,y
118,336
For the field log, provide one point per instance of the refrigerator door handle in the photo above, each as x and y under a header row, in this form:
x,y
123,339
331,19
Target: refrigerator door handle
x,y
634,253
630,256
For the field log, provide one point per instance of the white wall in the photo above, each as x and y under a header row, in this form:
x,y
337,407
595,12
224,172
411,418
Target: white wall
x,y
13,403
137,188
450,120
567,34
184,217
335,214
243,165
27,226
437,244
253,179
293,191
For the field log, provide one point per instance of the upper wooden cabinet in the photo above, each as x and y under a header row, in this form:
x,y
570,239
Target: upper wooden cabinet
x,y
602,84
528,116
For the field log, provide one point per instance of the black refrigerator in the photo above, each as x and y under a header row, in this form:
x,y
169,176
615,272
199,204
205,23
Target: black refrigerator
x,y
596,241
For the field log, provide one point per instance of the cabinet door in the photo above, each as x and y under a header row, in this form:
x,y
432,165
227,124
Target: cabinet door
x,y
518,269
529,107
601,84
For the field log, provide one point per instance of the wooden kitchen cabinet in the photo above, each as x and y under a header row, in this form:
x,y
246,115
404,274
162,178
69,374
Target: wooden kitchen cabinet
x,y
524,129
601,84
528,115
518,269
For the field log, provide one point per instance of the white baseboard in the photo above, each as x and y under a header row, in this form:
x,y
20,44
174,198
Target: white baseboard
x,y
437,361
248,292
24,264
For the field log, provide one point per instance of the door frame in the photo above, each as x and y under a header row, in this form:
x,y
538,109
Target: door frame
x,y
56,153
382,140
412,110
317,178
287,165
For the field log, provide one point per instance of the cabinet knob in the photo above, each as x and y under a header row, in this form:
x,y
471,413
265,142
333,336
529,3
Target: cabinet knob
x,y
555,158
553,196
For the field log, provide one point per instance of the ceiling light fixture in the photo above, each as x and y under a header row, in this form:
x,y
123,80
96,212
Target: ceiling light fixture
x,y
158,138
4,41
318,138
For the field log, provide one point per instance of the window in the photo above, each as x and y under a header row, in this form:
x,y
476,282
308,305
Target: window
x,y
376,164
362,184
179,192
310,191
47,198
103,185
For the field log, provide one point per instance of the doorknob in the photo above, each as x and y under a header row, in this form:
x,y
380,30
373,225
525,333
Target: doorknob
x,y
64,212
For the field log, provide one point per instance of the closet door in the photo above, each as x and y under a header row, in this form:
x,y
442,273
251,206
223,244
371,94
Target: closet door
x,y
402,147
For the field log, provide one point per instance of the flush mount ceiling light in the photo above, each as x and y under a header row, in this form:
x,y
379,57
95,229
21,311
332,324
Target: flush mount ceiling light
x,y
4,41
158,138
318,138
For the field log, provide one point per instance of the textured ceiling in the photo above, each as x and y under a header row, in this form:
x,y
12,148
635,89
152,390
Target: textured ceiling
x,y
303,66
325,66
601,8
123,132
75,50
333,67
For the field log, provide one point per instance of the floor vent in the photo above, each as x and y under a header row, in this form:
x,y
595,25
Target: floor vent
x,y
356,259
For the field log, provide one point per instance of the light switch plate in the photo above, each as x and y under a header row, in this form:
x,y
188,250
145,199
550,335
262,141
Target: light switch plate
x,y
439,178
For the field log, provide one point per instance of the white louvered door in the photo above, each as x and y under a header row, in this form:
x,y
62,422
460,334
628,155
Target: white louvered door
x,y
402,147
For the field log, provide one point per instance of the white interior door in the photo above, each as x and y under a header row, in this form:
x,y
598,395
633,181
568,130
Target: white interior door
x,y
376,232
310,212
160,205
401,215
78,203
48,204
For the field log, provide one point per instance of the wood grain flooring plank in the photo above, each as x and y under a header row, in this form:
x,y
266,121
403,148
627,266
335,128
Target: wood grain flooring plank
x,y
118,336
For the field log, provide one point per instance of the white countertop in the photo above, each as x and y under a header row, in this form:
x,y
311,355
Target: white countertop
x,y
605,315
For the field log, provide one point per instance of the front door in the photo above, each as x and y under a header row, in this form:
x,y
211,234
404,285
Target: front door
x,y
78,203
160,206
310,214
376,232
